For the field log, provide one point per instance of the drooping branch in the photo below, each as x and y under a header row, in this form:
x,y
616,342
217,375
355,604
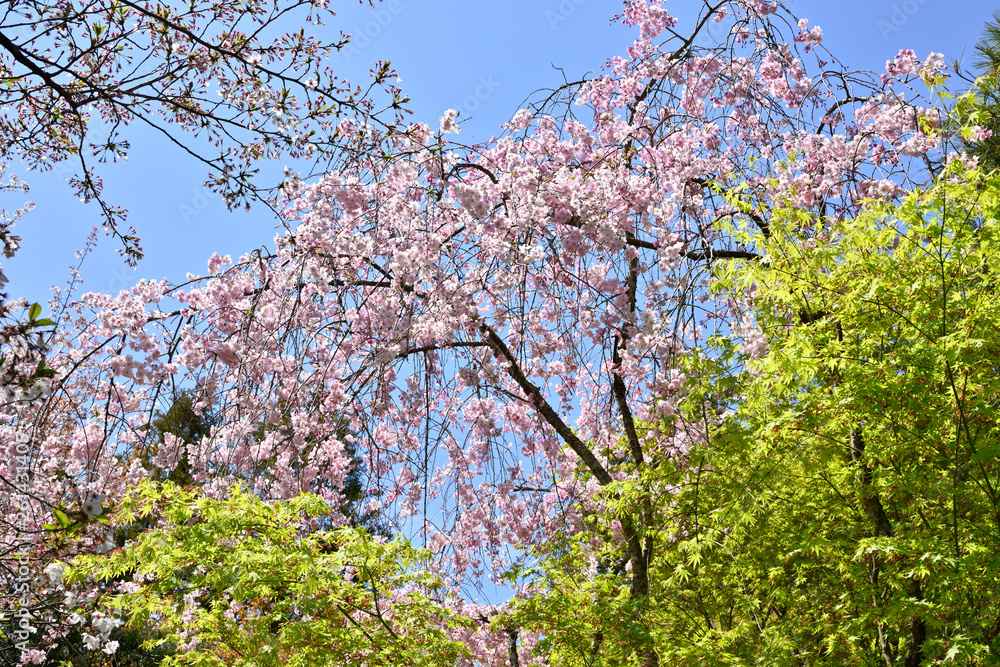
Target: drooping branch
x,y
696,255
534,394
711,253
617,382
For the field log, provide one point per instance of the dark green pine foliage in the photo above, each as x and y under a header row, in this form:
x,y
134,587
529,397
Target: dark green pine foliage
x,y
183,421
354,494
983,106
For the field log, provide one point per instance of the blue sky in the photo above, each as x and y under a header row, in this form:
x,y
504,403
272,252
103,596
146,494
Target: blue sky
x,y
483,58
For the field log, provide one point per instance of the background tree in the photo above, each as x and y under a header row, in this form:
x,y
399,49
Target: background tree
x,y
183,422
978,110
356,506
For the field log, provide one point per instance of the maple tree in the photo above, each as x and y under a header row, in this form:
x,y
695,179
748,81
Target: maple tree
x,y
846,510
241,583
513,337
869,434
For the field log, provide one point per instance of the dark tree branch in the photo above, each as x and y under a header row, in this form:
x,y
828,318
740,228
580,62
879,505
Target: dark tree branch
x,y
883,528
534,395
512,646
19,55
711,253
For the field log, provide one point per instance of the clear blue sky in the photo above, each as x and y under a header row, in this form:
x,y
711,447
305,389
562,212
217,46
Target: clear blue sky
x,y
483,58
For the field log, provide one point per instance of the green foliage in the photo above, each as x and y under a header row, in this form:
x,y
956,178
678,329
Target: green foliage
x,y
847,512
190,426
856,489
243,582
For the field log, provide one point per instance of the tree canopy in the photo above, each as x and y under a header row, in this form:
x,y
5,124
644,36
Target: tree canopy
x,y
696,359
